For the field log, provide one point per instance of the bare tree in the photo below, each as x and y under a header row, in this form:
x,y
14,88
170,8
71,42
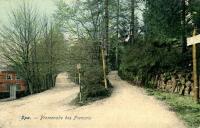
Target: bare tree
x,y
23,40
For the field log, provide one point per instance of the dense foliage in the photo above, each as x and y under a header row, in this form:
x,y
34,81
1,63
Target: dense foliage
x,y
148,59
167,24
87,54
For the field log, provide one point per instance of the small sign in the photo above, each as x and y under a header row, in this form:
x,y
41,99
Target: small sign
x,y
193,40
78,66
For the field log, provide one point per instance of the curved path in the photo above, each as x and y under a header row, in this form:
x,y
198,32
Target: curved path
x,y
128,107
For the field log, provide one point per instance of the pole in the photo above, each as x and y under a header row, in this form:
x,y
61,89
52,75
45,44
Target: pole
x,y
78,66
194,56
79,82
104,67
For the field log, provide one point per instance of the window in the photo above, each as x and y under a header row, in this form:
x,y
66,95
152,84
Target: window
x,y
9,77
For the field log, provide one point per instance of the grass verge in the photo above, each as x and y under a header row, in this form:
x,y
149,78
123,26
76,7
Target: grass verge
x,y
184,106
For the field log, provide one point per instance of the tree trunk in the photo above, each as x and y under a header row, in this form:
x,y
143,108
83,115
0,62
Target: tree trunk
x,y
106,37
117,45
183,23
132,25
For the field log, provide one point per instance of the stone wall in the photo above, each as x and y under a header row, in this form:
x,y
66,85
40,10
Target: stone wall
x,y
181,83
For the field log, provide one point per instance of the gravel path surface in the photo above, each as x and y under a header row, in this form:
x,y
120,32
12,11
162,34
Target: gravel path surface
x,y
128,107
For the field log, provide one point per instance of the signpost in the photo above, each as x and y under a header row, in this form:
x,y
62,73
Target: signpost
x,y
193,41
104,67
78,66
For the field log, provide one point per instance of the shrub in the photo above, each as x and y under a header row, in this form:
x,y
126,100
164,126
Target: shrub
x,y
86,53
146,59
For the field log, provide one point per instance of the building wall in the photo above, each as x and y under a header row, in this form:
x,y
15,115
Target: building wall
x,y
5,83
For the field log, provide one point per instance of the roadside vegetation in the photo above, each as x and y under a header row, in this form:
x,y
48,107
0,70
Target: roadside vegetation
x,y
162,49
184,106
163,46
86,53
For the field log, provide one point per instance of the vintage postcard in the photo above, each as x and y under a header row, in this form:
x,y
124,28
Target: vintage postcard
x,y
99,64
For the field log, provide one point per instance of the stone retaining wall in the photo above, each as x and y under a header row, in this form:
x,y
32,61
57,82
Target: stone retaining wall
x,y
175,83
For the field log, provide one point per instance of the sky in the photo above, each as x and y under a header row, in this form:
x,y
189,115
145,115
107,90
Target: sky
x,y
46,6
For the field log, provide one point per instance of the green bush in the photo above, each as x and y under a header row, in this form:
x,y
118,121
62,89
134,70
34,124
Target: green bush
x,y
92,81
146,59
93,84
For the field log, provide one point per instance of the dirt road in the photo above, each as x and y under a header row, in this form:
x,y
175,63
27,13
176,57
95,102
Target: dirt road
x,y
128,107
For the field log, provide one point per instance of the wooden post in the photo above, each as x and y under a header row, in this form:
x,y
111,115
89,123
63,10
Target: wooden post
x,y
196,86
104,67
75,78
79,81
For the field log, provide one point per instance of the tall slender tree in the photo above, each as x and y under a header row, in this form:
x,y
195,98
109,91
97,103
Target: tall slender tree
x,y
183,23
117,36
106,21
132,24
